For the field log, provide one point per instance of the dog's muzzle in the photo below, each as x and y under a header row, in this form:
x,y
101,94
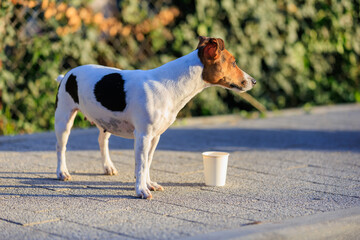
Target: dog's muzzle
x,y
253,81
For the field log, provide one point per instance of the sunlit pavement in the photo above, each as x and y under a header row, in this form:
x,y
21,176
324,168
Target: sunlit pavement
x,y
295,173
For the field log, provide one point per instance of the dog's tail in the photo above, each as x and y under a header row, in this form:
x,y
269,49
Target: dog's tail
x,y
60,78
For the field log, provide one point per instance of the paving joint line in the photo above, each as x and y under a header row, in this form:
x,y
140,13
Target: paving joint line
x,y
102,229
49,233
338,194
314,182
251,198
339,178
31,223
251,170
210,212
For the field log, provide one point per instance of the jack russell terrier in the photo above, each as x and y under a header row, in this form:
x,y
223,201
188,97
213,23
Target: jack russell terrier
x,y
140,104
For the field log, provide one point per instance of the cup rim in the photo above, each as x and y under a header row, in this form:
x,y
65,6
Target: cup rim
x,y
215,154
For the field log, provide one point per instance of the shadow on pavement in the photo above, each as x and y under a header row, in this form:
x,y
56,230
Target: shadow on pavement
x,y
89,189
231,139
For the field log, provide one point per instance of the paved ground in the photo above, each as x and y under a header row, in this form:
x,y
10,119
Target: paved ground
x,y
291,175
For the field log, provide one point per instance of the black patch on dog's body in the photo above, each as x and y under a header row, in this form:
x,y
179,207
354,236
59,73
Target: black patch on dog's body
x,y
109,91
72,88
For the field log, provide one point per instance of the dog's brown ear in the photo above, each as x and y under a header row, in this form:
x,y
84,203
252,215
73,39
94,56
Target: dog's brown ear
x,y
221,44
213,48
202,41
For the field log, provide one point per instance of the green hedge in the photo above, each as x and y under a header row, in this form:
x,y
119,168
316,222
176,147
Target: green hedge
x,y
301,52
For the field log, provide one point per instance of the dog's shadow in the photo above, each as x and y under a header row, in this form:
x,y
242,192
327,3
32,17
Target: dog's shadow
x,y
34,184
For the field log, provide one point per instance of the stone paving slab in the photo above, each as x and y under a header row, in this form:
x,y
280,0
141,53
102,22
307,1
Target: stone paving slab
x,y
340,224
291,165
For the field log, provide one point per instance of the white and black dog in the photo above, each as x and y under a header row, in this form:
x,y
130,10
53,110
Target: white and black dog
x,y
140,104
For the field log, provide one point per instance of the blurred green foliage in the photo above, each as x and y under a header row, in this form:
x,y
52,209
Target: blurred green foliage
x,y
299,51
302,53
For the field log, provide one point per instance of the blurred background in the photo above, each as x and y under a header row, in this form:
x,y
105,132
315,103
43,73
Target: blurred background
x,y
302,53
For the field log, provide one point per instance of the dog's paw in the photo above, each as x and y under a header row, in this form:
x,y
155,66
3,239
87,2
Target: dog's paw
x,y
153,186
143,193
64,176
110,170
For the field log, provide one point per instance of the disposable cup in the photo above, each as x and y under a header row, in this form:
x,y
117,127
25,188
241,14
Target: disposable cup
x,y
215,168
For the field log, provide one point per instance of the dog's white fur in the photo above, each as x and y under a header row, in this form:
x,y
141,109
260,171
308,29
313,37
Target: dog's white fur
x,y
153,100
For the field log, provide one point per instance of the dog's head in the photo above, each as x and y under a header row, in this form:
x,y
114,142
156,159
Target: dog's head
x,y
220,66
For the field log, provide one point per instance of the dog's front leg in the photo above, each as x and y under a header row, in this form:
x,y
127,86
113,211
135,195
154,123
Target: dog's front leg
x,y
153,186
142,149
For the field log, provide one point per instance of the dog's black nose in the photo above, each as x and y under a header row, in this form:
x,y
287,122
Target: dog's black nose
x,y
253,81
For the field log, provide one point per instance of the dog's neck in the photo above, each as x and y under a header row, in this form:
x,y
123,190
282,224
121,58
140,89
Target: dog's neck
x,y
182,78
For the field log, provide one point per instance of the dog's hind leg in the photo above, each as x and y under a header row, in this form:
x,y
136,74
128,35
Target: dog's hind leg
x,y
108,165
64,119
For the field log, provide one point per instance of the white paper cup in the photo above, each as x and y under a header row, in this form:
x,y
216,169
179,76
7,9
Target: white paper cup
x,y
215,167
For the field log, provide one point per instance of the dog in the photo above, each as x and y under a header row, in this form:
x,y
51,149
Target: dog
x,y
140,104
